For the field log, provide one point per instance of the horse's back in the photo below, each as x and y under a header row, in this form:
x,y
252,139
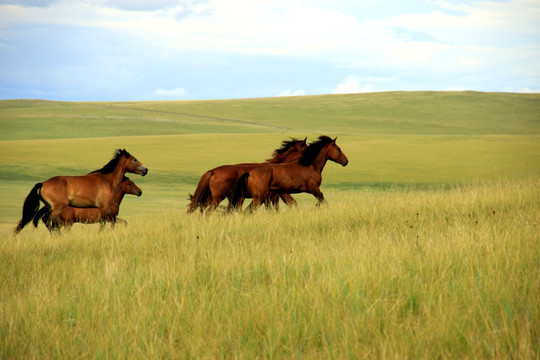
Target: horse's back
x,y
225,177
234,169
63,180
79,190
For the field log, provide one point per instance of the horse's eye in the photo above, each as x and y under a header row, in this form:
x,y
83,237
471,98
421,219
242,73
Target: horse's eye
x,y
134,159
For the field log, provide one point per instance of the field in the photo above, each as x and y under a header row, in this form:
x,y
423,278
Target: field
x,y
427,248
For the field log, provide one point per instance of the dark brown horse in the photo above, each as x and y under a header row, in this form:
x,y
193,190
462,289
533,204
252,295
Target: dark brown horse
x,y
97,189
217,184
71,214
302,175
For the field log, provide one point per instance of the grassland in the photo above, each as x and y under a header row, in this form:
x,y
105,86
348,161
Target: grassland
x,y
428,247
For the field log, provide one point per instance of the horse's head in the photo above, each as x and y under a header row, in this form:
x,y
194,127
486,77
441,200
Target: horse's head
x,y
129,187
135,166
300,145
335,154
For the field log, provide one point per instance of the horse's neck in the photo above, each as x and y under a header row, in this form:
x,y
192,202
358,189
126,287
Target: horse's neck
x,y
117,200
117,175
292,156
320,160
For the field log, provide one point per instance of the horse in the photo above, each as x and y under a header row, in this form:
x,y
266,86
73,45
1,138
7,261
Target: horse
x,y
302,175
71,214
96,189
217,184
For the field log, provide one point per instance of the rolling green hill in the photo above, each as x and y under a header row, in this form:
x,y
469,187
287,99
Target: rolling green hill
x,y
399,113
396,139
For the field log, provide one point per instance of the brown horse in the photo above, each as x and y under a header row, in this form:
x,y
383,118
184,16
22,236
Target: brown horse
x,y
217,184
302,175
71,214
97,189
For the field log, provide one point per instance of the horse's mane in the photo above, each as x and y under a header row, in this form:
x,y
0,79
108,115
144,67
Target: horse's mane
x,y
280,153
310,153
111,165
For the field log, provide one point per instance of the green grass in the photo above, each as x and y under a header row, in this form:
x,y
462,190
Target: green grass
x,y
176,162
375,274
428,246
426,113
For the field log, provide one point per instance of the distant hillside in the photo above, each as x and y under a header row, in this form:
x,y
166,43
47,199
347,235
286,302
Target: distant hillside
x,y
422,113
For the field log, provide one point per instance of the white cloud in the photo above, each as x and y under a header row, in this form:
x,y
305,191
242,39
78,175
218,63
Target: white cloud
x,y
291,93
172,93
485,23
141,5
351,86
299,29
527,90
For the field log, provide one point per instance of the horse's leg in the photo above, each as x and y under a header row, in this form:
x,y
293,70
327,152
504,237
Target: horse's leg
x,y
63,221
319,195
249,208
288,200
54,216
53,225
67,225
235,204
215,203
258,200
255,204
106,214
272,200
259,188
55,194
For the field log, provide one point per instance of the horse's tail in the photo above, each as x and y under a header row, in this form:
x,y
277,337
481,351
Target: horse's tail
x,y
202,193
41,214
30,207
239,191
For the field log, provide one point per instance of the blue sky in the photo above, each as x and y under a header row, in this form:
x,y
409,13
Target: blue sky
x,y
113,50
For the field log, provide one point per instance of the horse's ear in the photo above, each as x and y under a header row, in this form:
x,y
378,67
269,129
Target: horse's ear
x,y
305,139
334,141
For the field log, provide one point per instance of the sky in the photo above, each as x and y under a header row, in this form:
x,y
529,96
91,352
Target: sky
x,y
132,50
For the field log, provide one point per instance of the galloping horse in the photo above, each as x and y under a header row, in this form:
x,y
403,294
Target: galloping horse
x,y
302,175
71,214
97,189
217,184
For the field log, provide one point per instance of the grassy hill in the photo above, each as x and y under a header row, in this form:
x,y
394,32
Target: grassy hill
x,y
399,113
411,139
427,249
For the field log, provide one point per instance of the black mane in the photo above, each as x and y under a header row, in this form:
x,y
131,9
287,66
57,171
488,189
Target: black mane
x,y
286,145
111,165
311,152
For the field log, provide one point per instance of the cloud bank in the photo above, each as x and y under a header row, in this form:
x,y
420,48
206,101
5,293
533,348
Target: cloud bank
x,y
126,49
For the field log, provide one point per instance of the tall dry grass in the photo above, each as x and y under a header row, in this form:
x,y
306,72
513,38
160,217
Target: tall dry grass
x,y
374,274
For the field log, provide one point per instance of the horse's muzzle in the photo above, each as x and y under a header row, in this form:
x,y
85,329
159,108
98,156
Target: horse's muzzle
x,y
142,171
345,162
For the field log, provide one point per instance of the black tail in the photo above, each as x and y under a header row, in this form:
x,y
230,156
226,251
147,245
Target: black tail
x,y
43,213
30,207
240,192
